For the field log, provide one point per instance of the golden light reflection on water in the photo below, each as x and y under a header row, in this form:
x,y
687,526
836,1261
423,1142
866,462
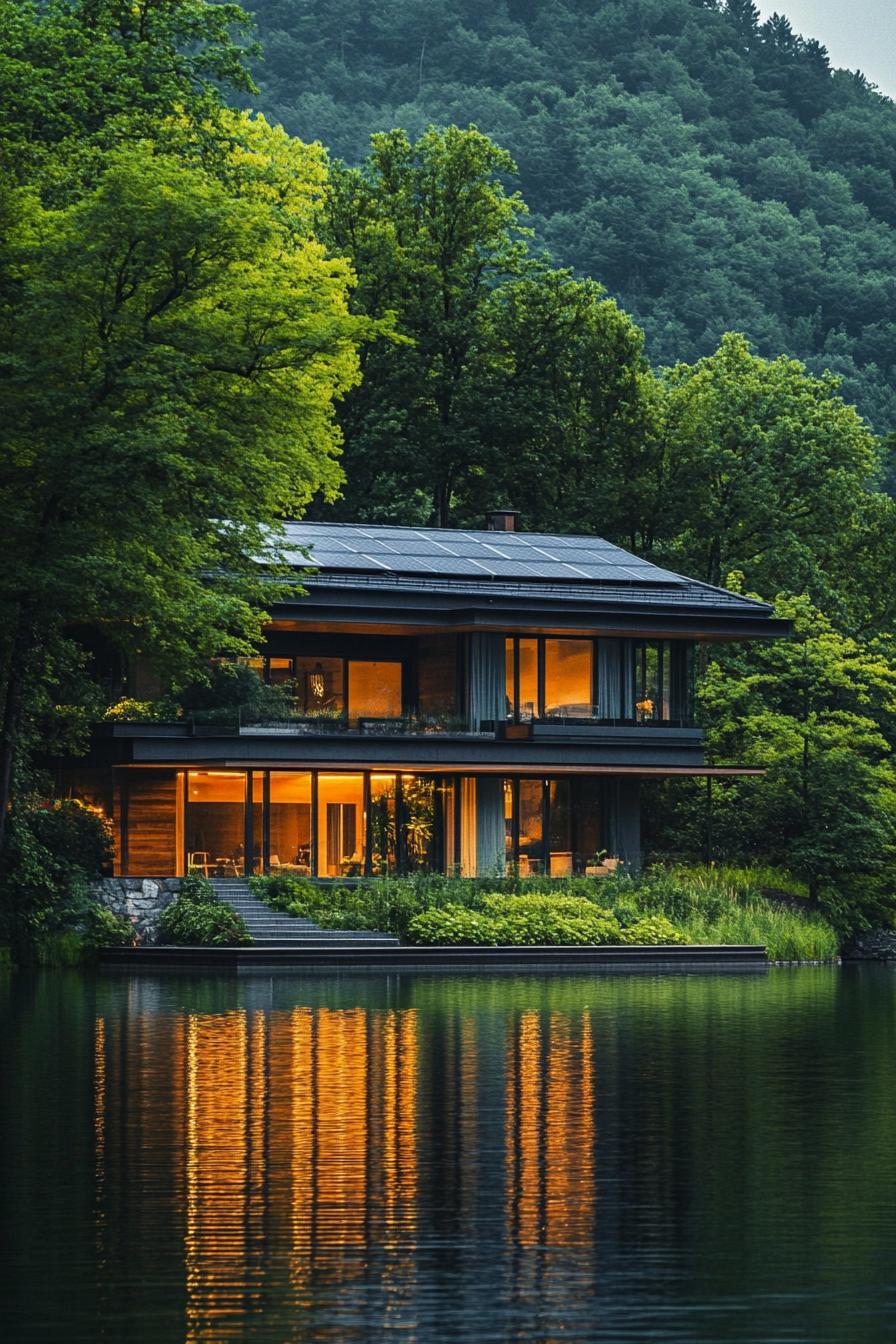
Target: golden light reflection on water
x,y
295,1141
550,1130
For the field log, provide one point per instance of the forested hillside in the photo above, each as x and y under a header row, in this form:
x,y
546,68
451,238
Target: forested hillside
x,y
713,173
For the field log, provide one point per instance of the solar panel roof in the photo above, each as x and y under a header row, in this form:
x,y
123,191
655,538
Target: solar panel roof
x,y
425,551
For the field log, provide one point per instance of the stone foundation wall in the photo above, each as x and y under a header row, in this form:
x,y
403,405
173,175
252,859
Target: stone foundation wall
x,y
139,899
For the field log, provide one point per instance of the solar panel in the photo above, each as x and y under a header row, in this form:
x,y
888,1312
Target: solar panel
x,y
532,557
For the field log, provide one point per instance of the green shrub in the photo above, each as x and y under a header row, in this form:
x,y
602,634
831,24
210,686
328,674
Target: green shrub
x,y
283,891
196,918
234,693
517,921
143,711
538,920
195,887
74,834
452,924
103,928
54,850
652,930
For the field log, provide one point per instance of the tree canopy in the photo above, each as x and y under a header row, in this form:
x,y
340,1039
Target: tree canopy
x,y
174,336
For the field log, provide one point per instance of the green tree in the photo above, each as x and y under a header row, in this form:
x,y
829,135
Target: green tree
x,y
79,77
766,471
431,231
173,337
818,712
515,382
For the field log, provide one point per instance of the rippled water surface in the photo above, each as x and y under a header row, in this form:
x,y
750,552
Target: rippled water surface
x,y
687,1158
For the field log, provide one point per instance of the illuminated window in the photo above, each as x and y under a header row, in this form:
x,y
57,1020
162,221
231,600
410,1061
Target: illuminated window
x,y
568,678
279,671
418,805
340,825
531,826
215,822
374,690
320,686
289,822
528,678
382,824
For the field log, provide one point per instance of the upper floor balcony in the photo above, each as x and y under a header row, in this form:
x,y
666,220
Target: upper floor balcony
x,y
511,687
471,700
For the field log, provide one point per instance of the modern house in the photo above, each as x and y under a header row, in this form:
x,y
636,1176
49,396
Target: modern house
x,y
459,701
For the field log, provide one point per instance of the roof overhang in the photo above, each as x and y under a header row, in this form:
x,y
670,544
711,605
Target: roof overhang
x,y
537,610
462,768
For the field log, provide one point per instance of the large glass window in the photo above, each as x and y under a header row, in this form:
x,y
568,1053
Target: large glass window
x,y
549,678
258,788
383,824
657,667
280,671
374,690
552,826
320,686
340,825
531,827
289,822
521,679
586,820
560,847
215,822
528,679
418,804
568,678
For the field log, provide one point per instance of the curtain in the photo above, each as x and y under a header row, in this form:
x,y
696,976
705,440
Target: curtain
x,y
622,809
615,679
486,679
489,826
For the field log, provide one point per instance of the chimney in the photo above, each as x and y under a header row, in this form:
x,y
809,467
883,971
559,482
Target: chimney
x,y
501,520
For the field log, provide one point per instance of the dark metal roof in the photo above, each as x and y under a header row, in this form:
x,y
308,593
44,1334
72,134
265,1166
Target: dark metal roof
x,y
496,564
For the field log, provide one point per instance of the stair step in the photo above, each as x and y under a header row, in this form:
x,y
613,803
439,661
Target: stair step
x,y
275,928
333,946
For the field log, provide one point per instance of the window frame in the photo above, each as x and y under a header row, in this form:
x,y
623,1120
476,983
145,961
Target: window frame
x,y
540,716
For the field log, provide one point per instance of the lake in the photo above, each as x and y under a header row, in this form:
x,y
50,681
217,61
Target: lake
x,y
659,1157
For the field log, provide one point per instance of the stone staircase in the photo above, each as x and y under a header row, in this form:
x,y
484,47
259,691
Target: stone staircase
x,y
272,928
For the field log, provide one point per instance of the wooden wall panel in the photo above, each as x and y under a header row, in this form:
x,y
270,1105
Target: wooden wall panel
x,y
150,816
437,674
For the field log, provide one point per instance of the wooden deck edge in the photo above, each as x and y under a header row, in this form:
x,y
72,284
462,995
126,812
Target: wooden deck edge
x,y
334,960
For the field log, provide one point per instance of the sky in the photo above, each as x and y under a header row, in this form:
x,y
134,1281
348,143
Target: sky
x,y
859,34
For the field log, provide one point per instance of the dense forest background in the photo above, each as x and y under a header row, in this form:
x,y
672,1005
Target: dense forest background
x,y
711,171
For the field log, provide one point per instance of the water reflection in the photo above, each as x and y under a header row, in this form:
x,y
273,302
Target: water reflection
x,y
681,1159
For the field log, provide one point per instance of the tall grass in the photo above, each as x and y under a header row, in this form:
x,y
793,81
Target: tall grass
x,y
788,935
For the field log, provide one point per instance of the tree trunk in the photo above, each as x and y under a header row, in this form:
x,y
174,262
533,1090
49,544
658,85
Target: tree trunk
x,y
441,504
